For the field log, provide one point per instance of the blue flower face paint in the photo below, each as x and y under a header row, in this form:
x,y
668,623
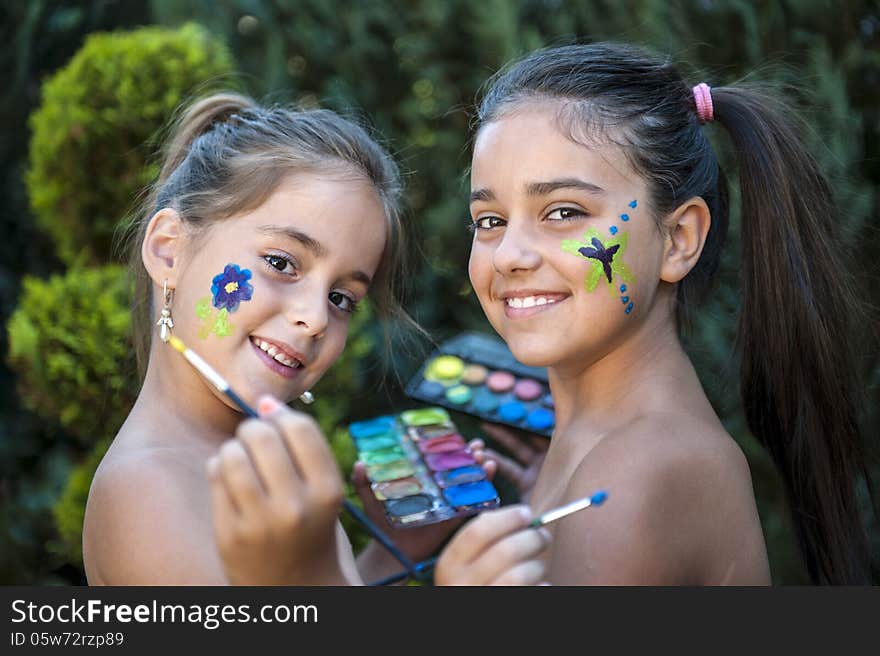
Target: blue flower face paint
x,y
231,287
228,290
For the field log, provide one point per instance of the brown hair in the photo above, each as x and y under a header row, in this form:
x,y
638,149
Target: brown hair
x,y
226,154
799,374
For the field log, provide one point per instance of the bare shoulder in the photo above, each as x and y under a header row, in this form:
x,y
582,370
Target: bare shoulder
x,y
673,451
148,521
680,508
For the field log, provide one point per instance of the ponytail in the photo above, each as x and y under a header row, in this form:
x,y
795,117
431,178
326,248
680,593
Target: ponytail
x,y
196,120
798,379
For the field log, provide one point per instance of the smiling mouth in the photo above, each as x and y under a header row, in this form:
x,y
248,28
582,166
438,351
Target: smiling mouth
x,y
525,305
531,301
278,355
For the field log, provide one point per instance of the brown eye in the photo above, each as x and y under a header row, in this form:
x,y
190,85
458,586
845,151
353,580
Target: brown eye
x,y
566,214
489,222
343,302
277,262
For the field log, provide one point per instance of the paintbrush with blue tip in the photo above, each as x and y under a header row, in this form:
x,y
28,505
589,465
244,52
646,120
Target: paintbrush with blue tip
x,y
595,499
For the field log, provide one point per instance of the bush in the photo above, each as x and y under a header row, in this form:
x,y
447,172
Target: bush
x,y
69,345
91,135
70,509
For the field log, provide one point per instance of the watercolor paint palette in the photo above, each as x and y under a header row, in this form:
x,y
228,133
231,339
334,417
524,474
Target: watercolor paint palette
x,y
477,374
421,468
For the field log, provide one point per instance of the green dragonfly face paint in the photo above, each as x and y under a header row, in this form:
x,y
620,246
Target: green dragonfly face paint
x,y
605,257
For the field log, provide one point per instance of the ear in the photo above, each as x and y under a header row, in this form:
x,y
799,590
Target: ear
x,y
687,228
163,246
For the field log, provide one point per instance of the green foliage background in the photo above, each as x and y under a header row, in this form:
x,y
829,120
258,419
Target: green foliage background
x,y
413,70
101,110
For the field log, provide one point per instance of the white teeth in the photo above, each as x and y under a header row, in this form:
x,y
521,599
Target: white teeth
x,y
529,301
283,359
278,355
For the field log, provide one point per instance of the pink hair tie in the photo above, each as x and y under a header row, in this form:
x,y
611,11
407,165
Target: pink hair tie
x,y
703,99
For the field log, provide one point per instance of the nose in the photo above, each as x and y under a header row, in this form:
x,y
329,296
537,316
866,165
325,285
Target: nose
x,y
516,251
308,310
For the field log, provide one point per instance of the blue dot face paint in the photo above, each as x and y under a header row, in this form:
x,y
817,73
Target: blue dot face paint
x,y
613,230
625,299
228,290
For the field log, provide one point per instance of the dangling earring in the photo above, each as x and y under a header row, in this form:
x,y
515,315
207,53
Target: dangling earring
x,y
307,397
165,322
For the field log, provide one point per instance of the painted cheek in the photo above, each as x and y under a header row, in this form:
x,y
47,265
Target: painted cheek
x,y
228,290
605,257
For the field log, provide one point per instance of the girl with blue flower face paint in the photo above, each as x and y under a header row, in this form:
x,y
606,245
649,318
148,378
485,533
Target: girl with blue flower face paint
x,y
270,226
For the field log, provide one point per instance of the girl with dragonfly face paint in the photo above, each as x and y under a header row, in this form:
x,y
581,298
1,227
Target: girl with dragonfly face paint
x,y
599,212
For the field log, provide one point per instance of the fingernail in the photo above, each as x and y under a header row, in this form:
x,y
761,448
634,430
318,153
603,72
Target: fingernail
x,y
526,513
546,535
212,464
267,405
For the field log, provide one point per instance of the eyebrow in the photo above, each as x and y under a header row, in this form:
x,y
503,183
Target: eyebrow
x,y
544,188
312,245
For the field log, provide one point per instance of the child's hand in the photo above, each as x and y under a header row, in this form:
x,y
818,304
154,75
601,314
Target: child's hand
x,y
528,453
496,548
276,494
